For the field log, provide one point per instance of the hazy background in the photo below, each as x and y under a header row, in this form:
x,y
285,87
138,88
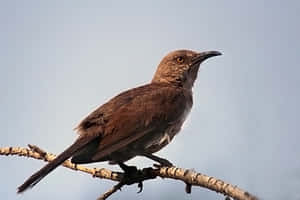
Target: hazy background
x,y
59,60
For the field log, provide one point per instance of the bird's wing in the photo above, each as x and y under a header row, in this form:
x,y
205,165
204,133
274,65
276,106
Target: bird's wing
x,y
137,112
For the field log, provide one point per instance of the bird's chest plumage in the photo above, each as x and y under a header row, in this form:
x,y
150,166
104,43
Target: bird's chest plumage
x,y
165,136
160,137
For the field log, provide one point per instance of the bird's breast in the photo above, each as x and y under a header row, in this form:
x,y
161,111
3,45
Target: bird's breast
x,y
162,138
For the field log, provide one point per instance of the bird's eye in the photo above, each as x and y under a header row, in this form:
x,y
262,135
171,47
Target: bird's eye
x,y
180,59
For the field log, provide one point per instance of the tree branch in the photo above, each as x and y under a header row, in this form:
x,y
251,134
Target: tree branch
x,y
190,177
111,191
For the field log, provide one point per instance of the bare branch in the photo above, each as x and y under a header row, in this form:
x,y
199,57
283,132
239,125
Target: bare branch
x,y
111,191
190,177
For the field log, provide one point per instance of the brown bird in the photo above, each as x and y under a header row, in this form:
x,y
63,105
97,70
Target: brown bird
x,y
137,122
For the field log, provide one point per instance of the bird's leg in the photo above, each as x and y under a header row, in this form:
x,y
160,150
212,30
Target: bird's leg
x,y
161,161
128,169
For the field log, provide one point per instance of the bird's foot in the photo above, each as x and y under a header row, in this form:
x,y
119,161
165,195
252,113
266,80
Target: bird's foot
x,y
128,170
131,175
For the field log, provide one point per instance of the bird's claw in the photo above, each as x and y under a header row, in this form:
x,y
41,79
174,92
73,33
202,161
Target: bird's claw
x,y
140,186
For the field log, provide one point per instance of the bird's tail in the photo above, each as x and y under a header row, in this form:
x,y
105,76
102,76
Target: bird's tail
x,y
39,175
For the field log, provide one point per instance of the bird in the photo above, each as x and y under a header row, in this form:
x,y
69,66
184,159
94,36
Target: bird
x,y
137,122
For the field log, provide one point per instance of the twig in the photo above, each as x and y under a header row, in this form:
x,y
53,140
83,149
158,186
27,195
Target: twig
x,y
114,189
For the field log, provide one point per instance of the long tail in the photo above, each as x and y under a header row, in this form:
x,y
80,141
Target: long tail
x,y
39,175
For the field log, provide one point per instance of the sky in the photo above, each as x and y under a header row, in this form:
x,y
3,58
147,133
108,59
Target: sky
x,y
59,60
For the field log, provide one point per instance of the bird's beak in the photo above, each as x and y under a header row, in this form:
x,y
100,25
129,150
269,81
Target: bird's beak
x,y
200,57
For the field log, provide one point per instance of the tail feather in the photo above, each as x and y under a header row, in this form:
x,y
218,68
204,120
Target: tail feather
x,y
39,175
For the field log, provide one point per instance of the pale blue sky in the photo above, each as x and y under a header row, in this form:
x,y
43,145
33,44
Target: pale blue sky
x,y
61,59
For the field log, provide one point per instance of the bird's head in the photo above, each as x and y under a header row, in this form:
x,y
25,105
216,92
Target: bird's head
x,y
181,67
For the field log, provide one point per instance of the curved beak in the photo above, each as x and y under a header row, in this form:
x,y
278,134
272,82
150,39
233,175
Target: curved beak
x,y
200,57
